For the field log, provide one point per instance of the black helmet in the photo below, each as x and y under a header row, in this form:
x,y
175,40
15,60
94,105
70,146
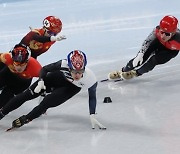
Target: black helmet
x,y
20,53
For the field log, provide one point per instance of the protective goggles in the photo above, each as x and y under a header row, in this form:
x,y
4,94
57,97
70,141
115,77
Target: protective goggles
x,y
77,71
50,33
167,34
19,64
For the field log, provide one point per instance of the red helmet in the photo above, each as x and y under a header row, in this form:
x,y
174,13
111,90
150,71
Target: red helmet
x,y
169,24
53,24
77,60
20,53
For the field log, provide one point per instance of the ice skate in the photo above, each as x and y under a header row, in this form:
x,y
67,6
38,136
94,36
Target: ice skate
x,y
18,123
114,75
129,75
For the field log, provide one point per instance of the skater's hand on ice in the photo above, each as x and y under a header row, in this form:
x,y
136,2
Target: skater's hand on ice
x,y
95,122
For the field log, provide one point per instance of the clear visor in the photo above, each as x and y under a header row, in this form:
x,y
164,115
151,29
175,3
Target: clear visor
x,y
77,71
50,33
165,33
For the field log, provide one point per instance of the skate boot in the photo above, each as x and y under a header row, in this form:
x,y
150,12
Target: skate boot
x,y
114,75
20,122
129,74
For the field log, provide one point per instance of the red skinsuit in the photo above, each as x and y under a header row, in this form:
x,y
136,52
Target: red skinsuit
x,y
172,44
32,69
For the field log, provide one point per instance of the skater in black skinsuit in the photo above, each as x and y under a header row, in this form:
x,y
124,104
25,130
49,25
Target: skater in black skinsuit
x,y
62,80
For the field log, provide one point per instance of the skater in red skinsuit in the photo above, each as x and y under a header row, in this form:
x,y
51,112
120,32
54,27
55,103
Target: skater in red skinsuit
x,y
40,40
160,46
17,73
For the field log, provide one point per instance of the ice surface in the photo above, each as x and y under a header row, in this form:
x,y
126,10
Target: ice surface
x,y
143,117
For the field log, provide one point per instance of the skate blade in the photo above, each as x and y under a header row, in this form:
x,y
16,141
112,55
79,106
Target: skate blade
x,y
103,128
10,129
113,80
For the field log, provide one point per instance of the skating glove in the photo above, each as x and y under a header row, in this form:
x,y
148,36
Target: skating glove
x,y
138,59
95,122
57,38
40,86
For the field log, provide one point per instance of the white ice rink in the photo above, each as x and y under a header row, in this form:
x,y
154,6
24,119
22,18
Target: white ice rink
x,y
143,117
